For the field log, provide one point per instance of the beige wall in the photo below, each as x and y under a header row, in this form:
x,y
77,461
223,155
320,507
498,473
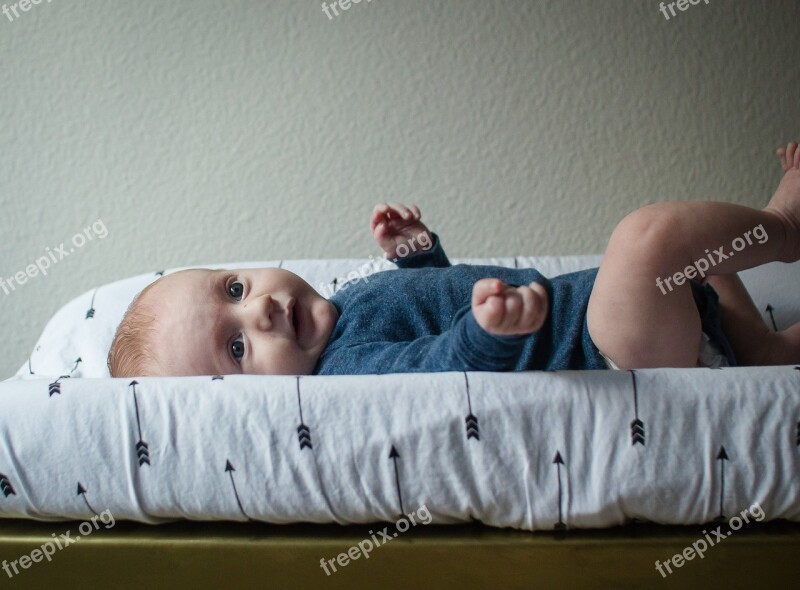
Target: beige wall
x,y
203,132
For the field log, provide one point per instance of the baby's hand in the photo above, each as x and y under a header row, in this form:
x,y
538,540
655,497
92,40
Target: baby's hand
x,y
506,311
398,230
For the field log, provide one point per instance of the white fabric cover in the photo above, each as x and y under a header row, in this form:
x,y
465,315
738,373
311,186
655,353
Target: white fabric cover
x,y
662,445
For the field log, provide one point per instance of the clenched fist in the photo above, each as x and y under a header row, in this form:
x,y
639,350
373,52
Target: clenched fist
x,y
508,311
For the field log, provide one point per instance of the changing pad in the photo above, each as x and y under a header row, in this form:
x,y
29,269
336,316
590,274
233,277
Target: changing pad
x,y
529,450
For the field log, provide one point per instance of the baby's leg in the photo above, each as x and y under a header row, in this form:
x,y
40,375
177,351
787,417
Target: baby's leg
x,y
753,341
639,322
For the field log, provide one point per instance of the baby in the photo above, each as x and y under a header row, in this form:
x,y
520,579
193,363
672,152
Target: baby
x,y
665,295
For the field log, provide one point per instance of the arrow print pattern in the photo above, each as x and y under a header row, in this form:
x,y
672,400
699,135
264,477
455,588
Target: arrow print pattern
x,y
798,423
55,386
90,311
772,317
473,430
394,456
303,431
637,429
142,449
559,461
637,426
5,486
722,456
229,470
82,492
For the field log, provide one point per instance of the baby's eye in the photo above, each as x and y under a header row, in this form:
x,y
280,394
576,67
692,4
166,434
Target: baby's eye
x,y
237,287
237,346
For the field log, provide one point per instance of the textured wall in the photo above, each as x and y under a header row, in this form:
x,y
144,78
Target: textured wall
x,y
203,132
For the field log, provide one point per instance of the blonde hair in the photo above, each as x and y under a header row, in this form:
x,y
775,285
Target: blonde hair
x,y
131,352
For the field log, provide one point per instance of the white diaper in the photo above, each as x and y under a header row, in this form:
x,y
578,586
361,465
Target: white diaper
x,y
710,356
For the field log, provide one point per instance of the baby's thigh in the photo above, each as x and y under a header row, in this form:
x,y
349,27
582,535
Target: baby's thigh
x,y
632,322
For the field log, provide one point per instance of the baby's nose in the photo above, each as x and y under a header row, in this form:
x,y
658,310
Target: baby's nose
x,y
261,312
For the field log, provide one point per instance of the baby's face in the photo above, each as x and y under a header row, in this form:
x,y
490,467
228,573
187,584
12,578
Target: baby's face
x,y
263,321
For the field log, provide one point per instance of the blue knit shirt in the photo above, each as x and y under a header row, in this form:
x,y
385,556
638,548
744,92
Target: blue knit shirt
x,y
418,318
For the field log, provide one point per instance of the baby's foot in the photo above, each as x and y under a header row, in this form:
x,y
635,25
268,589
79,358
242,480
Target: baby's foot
x,y
786,200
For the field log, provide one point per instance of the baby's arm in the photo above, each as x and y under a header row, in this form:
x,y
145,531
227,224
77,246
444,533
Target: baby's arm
x,y
488,335
465,346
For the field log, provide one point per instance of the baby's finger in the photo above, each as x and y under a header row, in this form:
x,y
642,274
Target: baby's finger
x,y
485,288
494,311
514,308
415,211
379,213
375,219
402,211
539,308
530,309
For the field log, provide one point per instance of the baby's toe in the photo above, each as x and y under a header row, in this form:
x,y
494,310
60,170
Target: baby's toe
x,y
791,152
781,152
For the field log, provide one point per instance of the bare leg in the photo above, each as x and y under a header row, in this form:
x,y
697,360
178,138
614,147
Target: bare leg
x,y
753,341
638,325
749,335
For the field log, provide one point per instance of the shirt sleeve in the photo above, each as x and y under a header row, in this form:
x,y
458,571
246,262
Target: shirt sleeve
x,y
434,257
465,346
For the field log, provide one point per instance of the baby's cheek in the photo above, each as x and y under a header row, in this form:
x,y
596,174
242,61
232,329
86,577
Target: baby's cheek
x,y
285,358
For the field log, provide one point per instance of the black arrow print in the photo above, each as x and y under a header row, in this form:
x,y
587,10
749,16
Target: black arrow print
x,y
5,486
90,312
142,450
798,424
77,361
722,456
160,273
280,264
303,431
559,526
55,386
229,469
30,369
516,262
637,426
394,456
772,317
82,492
473,430
217,377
